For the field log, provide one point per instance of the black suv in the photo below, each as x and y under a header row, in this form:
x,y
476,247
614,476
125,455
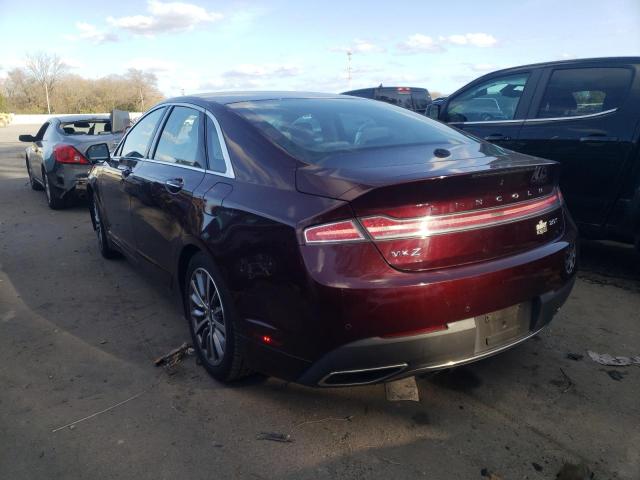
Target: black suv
x,y
582,113
416,99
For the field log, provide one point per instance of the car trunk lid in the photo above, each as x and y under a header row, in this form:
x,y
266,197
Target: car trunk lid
x,y
442,213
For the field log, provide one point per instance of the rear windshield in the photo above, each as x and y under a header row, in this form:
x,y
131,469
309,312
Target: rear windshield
x,y
312,129
90,127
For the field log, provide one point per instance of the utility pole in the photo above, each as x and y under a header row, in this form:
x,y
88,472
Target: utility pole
x,y
46,91
349,54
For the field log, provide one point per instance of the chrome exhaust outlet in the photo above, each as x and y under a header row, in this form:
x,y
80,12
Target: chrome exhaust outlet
x,y
365,376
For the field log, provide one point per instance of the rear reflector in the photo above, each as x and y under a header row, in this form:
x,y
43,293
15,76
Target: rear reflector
x,y
345,231
68,154
385,228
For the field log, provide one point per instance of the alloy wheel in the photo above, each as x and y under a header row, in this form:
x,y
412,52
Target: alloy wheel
x,y
47,188
207,317
98,223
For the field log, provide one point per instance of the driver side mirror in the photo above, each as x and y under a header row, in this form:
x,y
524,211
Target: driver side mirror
x,y
433,111
27,138
98,153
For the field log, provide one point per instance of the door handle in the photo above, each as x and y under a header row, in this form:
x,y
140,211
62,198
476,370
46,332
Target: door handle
x,y
124,171
598,138
496,136
174,185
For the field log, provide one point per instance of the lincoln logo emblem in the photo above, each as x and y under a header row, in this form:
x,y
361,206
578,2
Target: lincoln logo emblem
x,y
541,227
540,175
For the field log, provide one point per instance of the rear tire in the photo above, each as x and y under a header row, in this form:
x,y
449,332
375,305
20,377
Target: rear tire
x,y
54,200
35,185
212,320
104,245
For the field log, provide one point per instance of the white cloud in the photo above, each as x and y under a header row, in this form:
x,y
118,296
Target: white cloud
x,y
165,17
249,70
72,63
148,64
359,46
474,39
420,43
483,67
91,33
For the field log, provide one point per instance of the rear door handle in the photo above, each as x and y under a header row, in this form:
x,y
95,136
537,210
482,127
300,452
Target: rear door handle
x,y
124,171
495,137
174,185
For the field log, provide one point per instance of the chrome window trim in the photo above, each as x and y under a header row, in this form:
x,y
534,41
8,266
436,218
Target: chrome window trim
x,y
537,120
173,164
131,127
573,117
487,122
228,173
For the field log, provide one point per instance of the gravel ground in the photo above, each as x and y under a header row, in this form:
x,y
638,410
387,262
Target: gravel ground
x,y
78,335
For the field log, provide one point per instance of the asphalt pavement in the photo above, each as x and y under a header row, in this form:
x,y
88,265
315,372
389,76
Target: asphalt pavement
x,y
80,397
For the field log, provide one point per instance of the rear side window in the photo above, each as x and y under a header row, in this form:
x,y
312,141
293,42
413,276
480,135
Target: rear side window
x,y
494,100
214,149
138,139
584,91
180,141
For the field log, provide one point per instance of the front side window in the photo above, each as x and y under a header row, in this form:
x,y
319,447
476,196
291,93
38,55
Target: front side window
x,y
42,131
494,100
138,139
584,91
180,141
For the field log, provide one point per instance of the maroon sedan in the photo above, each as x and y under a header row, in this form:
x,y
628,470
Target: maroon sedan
x,y
332,240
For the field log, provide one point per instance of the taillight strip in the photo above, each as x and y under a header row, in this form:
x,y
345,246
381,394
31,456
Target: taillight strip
x,y
381,227
343,231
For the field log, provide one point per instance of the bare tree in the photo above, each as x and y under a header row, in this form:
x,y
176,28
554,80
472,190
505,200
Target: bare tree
x,y
46,70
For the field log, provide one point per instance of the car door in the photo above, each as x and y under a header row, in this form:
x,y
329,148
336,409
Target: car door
x,y
168,179
119,180
583,117
493,108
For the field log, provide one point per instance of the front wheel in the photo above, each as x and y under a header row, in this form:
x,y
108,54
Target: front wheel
x,y
212,321
32,181
103,241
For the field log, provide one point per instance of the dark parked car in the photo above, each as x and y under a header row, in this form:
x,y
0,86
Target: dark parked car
x,y
331,240
584,114
56,161
415,99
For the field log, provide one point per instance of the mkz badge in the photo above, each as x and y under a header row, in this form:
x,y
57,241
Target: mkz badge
x,y
541,227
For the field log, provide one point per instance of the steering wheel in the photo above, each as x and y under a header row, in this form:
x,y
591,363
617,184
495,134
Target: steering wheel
x,y
357,139
486,117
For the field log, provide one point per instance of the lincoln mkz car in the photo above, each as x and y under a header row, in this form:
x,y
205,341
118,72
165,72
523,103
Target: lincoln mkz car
x,y
332,240
55,158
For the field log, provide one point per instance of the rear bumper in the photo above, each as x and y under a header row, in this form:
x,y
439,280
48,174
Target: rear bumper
x,y
66,177
379,359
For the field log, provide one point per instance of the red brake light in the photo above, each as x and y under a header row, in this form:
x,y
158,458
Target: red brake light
x,y
345,231
384,228
69,154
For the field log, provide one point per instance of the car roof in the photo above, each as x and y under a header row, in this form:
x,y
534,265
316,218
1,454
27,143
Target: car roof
x,y
572,62
225,98
80,118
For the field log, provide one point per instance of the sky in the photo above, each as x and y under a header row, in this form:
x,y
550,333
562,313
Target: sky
x,y
202,45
